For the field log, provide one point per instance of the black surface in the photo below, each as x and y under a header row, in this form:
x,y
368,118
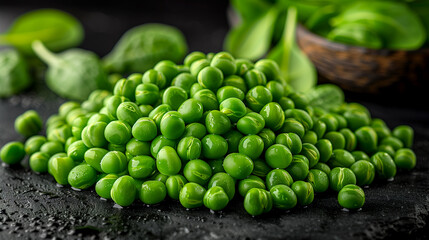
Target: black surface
x,y
32,206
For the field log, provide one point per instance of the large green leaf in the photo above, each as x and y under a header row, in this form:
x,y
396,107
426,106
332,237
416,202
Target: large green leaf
x,y
251,9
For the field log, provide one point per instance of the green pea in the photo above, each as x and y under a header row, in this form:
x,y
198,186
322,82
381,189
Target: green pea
x,y
311,153
216,199
291,141
364,172
59,168
114,162
260,168
145,110
28,124
394,142
172,125
214,146
125,88
251,146
174,96
93,135
286,103
340,177
174,185
342,121
276,89
304,192
52,148
168,162
319,180
117,147
128,112
351,197
301,116
291,125
405,158
242,66
216,165
387,149
12,153
273,115
229,92
323,167
254,78
251,123
224,62
153,192
337,140
196,130
330,121
356,119
198,65
184,81
258,201
310,137
82,176
341,158
268,137
367,139
235,81
154,77
283,197
278,156
93,157
189,148
76,151
298,168
144,129
97,117
168,68
278,177
233,108
350,139
67,107
210,78
269,67
384,165
33,144
197,171
324,147
381,128
141,167
258,97
405,134
160,142
208,99
191,110
251,182
238,165
123,191
79,124
60,134
217,122
39,162
233,139
104,186
117,132
225,181
359,155
75,113
300,100
69,142
192,195
112,103
159,112
192,57
319,128
147,93
159,177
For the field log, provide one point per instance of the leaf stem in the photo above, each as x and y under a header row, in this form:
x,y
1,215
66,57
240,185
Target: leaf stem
x,y
43,53
288,37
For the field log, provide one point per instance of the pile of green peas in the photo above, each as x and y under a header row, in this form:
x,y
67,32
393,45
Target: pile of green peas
x,y
202,131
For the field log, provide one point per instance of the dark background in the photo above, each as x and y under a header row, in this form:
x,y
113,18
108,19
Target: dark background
x,y
31,206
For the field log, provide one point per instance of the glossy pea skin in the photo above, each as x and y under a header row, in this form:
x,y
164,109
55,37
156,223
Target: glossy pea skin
x,y
319,128
278,156
251,182
210,78
114,162
158,112
82,176
269,67
214,146
226,92
310,137
192,195
146,109
168,68
286,103
235,81
224,62
60,134
125,88
251,146
360,155
273,115
394,142
251,123
364,172
97,117
76,151
198,65
278,177
197,171
67,107
367,139
304,192
104,185
268,137
216,165
184,81
116,147
233,139
189,148
28,124
350,139
124,191
59,168
79,124
12,153
217,122
144,129
168,162
192,57
341,158
52,148
159,177
387,149
215,198
381,128
191,111
75,113
174,96
277,90
291,141
385,167
172,125
301,116
238,165
323,167
351,197
283,197
291,125
93,157
233,108
224,181
356,119
254,78
153,192
340,177
260,168
93,135
174,185
258,97
128,112
154,77
405,134
160,142
298,168
337,140
69,142
33,144
258,201
117,132
325,149
311,153
405,158
330,121
39,162
319,180
242,66
196,130
141,167
208,99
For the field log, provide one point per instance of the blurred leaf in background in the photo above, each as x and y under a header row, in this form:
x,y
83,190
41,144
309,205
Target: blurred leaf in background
x,y
14,75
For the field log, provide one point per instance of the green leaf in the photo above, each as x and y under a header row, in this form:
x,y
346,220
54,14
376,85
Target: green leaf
x,y
326,96
251,9
56,29
252,40
14,75
422,10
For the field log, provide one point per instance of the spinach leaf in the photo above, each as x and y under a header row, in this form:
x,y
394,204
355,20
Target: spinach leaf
x,y
326,96
14,75
319,21
141,47
422,10
252,40
56,29
73,74
251,9
356,34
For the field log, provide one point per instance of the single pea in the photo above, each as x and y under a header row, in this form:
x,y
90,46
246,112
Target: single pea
x,y
192,57
153,192
251,146
254,78
185,81
342,121
97,117
233,108
75,113
242,66
79,124
60,134
301,116
159,177
251,123
214,146
197,171
52,148
367,139
350,139
251,182
304,192
341,158
67,107
168,162
160,142
104,185
159,112
319,128
381,128
324,147
286,103
82,176
394,142
217,122
117,147
93,157
273,115
310,137
174,185
238,165
191,111
405,158
144,129
76,151
278,177
233,139
268,137
125,88
34,143
112,103
405,134
224,62
384,165
28,124
117,132
93,135
340,177
278,156
319,180
174,96
360,155
145,109
69,142
323,167
337,140
258,201
387,149
196,130
298,168
172,125
59,168
198,65
123,191
154,77
229,92
277,90
258,97
330,121
260,168
192,195
189,148
291,141
291,125
141,167
128,112
351,197
311,153
364,172
215,198
216,165
12,153
283,197
208,99
210,78
235,81
269,67
39,162
356,119
224,181
168,68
